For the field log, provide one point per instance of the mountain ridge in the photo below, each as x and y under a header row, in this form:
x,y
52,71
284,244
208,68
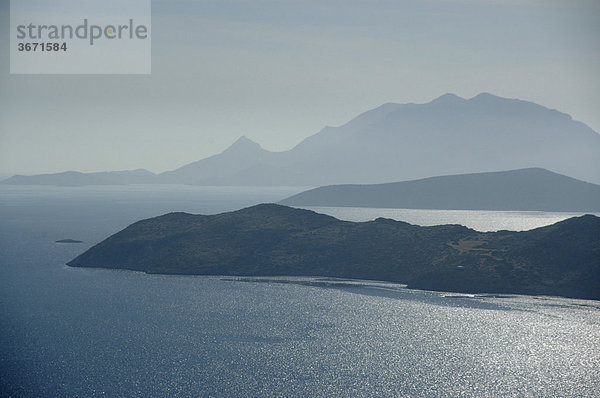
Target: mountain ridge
x,y
395,142
76,178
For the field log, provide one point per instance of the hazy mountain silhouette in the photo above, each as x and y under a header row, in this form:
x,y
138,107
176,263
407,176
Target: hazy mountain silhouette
x,y
449,135
75,178
243,154
525,189
395,142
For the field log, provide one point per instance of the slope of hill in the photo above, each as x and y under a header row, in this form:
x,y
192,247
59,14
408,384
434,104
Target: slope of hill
x,y
561,259
532,189
241,155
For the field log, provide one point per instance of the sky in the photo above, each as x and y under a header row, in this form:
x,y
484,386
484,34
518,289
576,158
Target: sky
x,y
279,71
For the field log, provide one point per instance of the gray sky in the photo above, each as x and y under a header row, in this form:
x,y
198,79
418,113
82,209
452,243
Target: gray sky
x,y
279,71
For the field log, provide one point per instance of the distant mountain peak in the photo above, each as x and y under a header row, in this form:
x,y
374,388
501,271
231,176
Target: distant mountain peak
x,y
243,140
448,98
244,144
485,95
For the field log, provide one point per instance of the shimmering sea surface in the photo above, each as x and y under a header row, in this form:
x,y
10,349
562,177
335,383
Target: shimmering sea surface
x,y
83,333
480,220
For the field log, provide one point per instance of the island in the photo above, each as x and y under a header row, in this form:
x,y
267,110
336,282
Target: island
x,y
562,259
531,189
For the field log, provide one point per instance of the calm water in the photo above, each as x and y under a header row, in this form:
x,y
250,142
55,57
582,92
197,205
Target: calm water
x,y
480,220
74,332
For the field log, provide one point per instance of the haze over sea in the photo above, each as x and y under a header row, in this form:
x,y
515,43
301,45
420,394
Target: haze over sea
x,y
85,332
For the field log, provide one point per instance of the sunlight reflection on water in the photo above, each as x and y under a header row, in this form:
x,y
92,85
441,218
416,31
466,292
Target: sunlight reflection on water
x,y
480,220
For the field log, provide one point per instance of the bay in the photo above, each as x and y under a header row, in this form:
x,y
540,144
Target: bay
x,y
68,332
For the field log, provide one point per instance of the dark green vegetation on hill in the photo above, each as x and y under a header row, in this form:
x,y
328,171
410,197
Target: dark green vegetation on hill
x,y
561,259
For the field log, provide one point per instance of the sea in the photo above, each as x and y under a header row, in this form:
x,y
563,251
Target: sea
x,y
69,332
